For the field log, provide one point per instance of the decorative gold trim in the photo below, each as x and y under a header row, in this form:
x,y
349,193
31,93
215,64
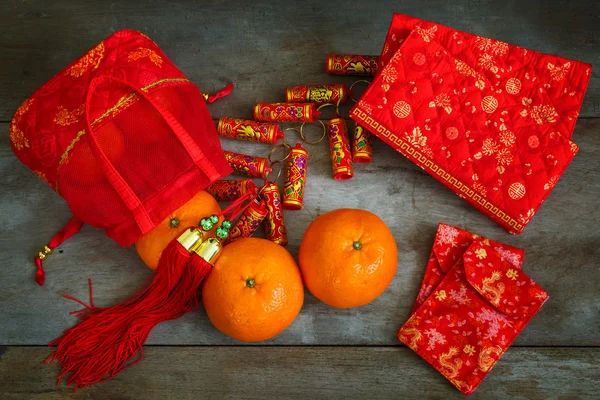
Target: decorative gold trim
x,y
64,156
119,106
162,81
435,170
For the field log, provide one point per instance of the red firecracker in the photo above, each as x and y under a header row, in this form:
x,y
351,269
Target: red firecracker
x,y
275,226
295,178
226,190
317,94
285,112
362,150
243,164
249,221
339,149
251,131
349,64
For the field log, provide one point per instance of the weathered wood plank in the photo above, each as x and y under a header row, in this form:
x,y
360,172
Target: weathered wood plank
x,y
561,245
264,46
306,372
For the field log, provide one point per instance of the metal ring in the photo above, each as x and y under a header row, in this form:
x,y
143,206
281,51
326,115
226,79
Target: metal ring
x,y
314,141
337,111
279,171
277,147
337,107
354,83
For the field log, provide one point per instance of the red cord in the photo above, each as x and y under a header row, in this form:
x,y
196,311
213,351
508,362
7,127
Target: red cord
x,y
226,91
70,229
238,206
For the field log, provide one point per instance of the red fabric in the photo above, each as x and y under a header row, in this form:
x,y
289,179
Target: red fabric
x,y
122,135
474,314
449,246
490,120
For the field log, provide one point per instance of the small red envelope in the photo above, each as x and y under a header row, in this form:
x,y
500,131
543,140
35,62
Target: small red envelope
x,y
450,244
473,316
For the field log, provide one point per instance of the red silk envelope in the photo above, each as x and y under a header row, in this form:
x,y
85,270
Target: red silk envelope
x,y
449,245
498,142
473,316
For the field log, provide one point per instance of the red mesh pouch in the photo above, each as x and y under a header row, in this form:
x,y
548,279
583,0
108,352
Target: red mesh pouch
x,y
122,136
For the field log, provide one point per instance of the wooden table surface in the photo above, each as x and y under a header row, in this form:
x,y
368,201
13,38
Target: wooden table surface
x,y
263,47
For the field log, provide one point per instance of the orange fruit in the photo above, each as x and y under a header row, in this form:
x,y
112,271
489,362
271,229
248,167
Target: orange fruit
x,y
347,257
151,245
254,291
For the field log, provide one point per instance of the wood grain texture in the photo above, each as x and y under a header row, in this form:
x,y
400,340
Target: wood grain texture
x,y
561,245
264,46
307,373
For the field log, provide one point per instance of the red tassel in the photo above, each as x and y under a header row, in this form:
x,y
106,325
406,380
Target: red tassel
x,y
70,229
226,91
109,340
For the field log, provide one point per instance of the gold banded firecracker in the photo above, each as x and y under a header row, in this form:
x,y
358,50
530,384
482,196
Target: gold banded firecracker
x,y
251,131
274,225
249,221
231,189
362,150
339,149
350,64
317,94
295,178
285,112
243,164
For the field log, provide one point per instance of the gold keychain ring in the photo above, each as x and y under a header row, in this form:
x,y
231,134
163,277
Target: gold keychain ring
x,y
354,83
337,110
286,148
279,171
303,136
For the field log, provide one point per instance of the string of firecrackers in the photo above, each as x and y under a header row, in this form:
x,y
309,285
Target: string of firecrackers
x,y
302,105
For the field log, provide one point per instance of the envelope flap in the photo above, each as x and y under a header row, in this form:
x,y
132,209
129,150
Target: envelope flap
x,y
451,243
507,288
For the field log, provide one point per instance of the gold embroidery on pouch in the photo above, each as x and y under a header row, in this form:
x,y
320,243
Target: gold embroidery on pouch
x,y
65,117
17,136
65,154
143,52
89,61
